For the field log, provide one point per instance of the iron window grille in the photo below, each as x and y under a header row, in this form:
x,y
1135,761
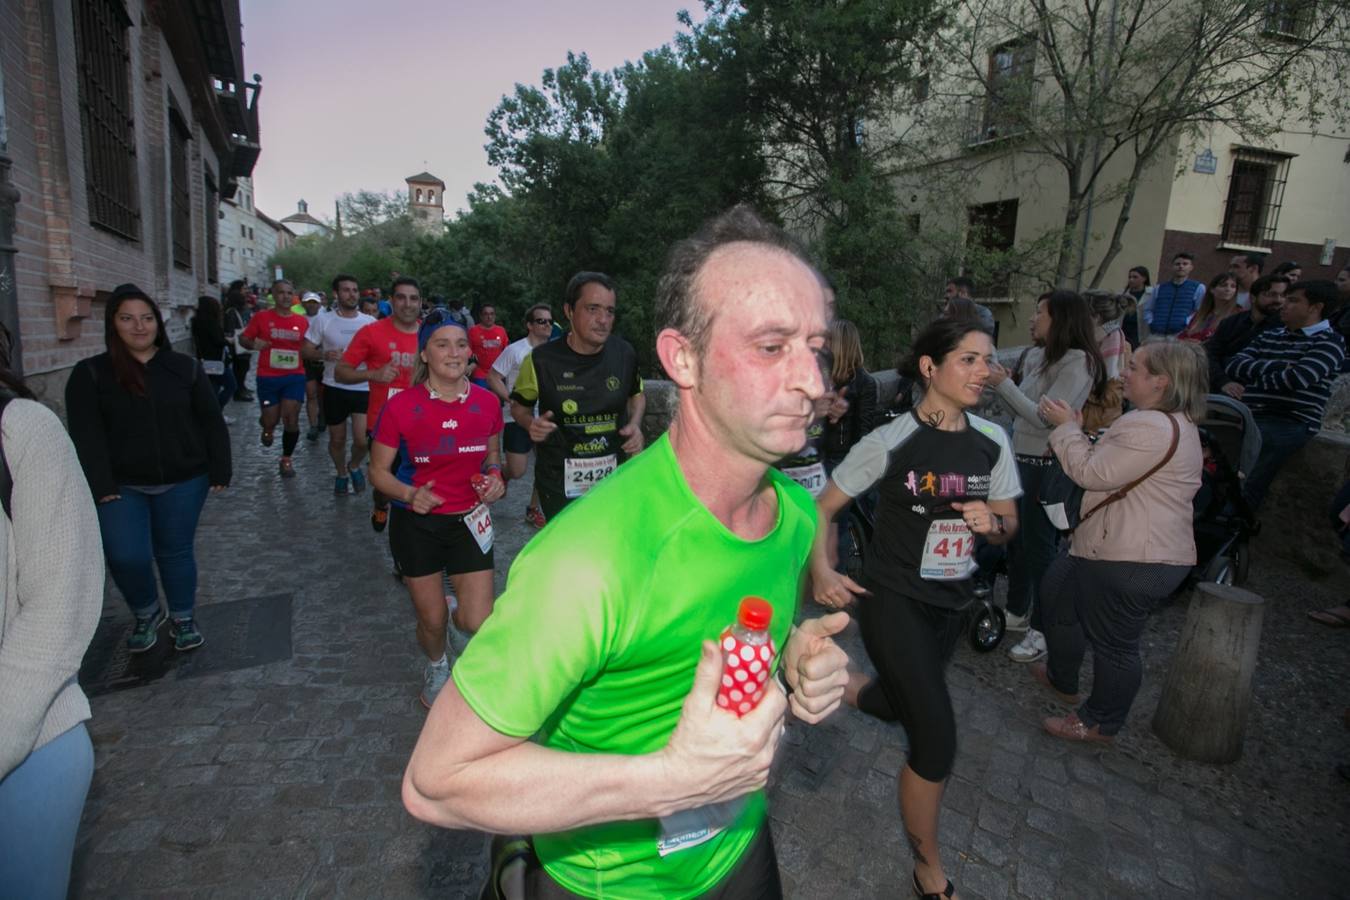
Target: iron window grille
x,y
103,50
211,212
993,228
1255,195
180,190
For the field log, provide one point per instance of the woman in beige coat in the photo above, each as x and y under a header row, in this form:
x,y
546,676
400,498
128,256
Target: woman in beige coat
x,y
1130,555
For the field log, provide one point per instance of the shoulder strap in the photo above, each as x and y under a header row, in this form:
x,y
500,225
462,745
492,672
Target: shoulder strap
x,y
6,479
1121,492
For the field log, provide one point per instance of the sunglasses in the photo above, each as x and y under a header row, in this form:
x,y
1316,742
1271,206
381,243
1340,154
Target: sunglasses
x,y
542,321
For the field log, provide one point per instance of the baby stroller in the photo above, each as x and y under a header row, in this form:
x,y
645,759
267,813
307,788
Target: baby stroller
x,y
1224,522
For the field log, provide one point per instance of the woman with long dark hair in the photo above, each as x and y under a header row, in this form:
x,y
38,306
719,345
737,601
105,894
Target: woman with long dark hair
x,y
943,476
1138,285
1066,365
51,595
1219,303
208,338
152,442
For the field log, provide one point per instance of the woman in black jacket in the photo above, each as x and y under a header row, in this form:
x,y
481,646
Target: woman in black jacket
x,y
152,442
208,339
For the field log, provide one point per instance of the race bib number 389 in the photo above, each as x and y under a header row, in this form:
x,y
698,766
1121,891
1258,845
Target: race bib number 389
x,y
580,475
948,551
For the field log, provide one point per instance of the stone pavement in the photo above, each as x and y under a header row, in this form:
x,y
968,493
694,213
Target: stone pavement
x,y
283,780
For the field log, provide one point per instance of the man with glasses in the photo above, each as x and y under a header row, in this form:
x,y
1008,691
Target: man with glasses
x,y
588,394
501,379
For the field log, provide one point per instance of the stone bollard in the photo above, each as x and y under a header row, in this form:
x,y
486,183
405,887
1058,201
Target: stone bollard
x,y
1202,713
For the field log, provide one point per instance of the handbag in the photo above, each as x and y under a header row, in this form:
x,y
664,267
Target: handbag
x,y
1062,498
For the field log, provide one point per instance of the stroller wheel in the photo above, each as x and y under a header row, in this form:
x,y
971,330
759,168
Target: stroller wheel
x,y
986,632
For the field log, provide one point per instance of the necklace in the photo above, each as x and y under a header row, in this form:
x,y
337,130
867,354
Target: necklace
x,y
436,395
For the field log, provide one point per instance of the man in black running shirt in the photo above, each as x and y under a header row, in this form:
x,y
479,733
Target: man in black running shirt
x,y
589,397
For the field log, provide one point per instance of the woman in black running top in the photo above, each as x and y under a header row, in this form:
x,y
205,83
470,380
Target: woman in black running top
x,y
944,476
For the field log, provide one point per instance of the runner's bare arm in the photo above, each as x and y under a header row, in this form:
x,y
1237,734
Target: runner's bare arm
x,y
464,774
522,414
830,587
311,351
498,385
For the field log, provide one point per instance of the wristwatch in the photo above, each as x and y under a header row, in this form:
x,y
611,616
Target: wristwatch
x,y
998,520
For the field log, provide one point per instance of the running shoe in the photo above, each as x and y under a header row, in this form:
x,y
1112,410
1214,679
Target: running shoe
x,y
145,633
1031,648
1016,622
340,487
266,438
312,434
185,634
379,517
286,468
433,680
535,516
358,480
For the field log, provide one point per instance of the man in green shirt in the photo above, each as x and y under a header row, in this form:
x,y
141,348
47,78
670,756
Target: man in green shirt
x,y
584,711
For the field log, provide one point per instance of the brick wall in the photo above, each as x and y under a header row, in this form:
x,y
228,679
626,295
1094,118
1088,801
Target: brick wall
x,y
63,262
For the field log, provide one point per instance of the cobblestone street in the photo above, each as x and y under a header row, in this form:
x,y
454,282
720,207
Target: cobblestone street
x,y
282,779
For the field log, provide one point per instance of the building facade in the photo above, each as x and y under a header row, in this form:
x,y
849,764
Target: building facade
x,y
248,238
426,202
302,224
129,122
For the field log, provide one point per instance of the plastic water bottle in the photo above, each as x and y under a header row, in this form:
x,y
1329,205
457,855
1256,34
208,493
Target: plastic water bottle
x,y
747,657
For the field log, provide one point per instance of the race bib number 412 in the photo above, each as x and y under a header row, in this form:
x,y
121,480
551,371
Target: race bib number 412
x,y
948,551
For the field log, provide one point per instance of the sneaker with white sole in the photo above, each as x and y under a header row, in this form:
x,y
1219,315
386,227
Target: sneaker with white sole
x,y
1030,649
1016,622
433,680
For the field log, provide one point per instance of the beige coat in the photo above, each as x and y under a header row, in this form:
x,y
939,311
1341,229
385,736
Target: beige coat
x,y
1153,522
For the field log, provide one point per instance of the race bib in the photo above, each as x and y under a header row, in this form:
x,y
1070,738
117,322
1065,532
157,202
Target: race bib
x,y
283,359
948,551
213,367
691,827
580,475
811,477
479,523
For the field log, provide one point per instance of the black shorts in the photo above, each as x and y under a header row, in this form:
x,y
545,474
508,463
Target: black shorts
x,y
314,371
340,403
426,545
754,877
516,439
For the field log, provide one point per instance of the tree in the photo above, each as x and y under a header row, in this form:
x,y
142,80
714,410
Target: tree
x,y
364,209
1102,84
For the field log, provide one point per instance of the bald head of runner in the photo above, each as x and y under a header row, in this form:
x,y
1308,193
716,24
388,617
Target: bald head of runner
x,y
742,322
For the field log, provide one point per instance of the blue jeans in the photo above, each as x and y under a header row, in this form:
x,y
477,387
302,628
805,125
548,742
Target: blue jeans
x,y
1033,547
141,531
225,386
1280,439
40,806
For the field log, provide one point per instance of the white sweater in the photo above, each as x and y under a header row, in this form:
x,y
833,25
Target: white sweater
x,y
51,569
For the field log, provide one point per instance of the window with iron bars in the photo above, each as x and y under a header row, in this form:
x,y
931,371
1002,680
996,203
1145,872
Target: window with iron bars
x,y
103,49
180,191
1288,18
1255,194
1008,97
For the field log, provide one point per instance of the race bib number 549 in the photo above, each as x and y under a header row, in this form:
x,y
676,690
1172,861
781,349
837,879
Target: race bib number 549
x,y
580,475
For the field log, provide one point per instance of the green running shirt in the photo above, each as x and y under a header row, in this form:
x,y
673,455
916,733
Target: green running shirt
x,y
593,645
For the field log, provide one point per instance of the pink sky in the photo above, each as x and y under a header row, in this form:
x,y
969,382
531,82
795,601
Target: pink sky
x,y
360,95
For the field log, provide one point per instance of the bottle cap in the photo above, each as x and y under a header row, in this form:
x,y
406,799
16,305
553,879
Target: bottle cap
x,y
755,614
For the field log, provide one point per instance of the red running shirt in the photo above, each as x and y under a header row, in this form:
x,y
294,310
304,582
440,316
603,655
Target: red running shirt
x,y
285,335
487,344
376,345
444,441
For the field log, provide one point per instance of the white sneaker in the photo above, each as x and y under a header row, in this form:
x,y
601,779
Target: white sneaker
x,y
1031,648
435,678
1016,622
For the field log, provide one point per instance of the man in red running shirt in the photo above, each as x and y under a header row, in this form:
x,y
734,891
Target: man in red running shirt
x,y
278,336
487,339
383,354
